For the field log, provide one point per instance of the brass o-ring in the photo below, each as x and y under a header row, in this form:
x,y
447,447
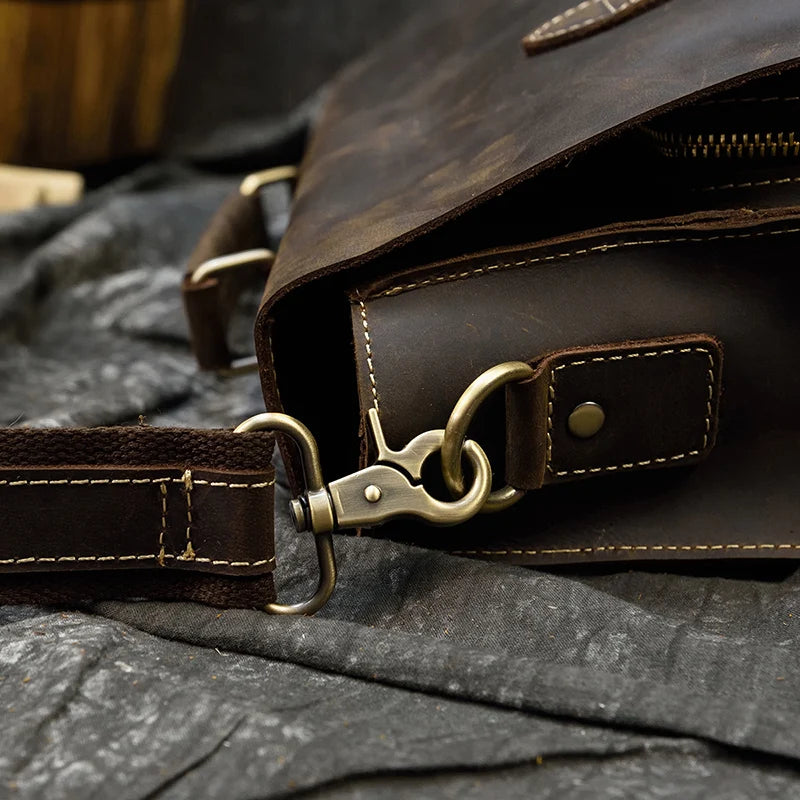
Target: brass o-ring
x,y
460,419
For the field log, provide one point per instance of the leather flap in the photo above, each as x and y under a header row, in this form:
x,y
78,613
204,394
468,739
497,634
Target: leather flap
x,y
451,113
614,408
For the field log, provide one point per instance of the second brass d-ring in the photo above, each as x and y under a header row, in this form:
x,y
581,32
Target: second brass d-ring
x,y
460,419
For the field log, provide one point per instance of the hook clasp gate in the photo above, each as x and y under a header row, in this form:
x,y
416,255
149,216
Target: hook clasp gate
x,y
390,488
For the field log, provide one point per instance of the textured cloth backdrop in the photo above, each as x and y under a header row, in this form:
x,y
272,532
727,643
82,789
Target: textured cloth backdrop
x,y
426,675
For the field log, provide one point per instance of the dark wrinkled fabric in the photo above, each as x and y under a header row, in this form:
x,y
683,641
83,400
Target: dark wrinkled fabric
x,y
426,675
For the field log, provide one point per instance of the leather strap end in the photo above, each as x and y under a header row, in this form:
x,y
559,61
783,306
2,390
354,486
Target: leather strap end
x,y
139,502
649,404
237,226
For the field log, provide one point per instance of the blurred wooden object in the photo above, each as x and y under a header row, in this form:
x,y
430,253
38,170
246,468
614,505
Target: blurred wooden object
x,y
85,81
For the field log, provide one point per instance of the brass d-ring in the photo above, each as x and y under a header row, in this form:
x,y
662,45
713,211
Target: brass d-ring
x,y
460,419
313,473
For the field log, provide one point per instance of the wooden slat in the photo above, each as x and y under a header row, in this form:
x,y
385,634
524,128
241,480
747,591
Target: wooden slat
x,y
83,81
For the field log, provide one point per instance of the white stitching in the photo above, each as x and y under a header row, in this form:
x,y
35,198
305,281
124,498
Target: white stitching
x,y
559,18
632,464
747,185
142,557
400,288
583,251
188,553
161,556
109,481
162,553
540,34
368,348
261,485
602,248
626,547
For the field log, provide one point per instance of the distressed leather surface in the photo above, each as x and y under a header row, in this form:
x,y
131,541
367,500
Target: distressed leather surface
x,y
726,280
410,167
452,112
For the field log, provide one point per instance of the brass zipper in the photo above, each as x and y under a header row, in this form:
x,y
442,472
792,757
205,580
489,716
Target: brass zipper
x,y
726,145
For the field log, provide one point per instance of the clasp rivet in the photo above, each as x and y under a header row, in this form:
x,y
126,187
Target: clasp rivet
x,y
372,493
586,420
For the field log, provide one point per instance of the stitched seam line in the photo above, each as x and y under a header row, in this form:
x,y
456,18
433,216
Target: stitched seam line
x,y
540,33
559,18
611,548
631,464
162,553
602,248
116,481
747,185
161,556
188,553
729,100
368,348
134,557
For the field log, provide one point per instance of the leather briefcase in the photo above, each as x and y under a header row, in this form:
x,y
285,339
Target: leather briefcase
x,y
552,281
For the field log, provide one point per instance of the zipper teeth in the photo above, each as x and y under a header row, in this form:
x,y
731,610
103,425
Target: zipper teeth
x,y
727,145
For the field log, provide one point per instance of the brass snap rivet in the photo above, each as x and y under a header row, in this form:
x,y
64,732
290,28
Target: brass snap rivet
x,y
372,493
586,420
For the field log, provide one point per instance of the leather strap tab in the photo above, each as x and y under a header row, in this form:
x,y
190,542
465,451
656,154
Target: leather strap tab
x,y
134,501
237,226
656,403
583,19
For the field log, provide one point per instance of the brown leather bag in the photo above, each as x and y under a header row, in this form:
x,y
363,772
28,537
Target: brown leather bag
x,y
590,223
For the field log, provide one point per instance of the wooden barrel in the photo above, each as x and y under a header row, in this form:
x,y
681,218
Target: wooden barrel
x,y
84,81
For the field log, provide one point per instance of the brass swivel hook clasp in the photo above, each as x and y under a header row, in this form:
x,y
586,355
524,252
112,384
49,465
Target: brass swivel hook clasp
x,y
392,487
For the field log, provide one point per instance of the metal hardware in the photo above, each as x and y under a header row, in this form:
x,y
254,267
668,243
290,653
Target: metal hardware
x,y
372,493
750,144
391,488
586,420
239,366
258,180
233,261
209,269
455,432
388,489
314,483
